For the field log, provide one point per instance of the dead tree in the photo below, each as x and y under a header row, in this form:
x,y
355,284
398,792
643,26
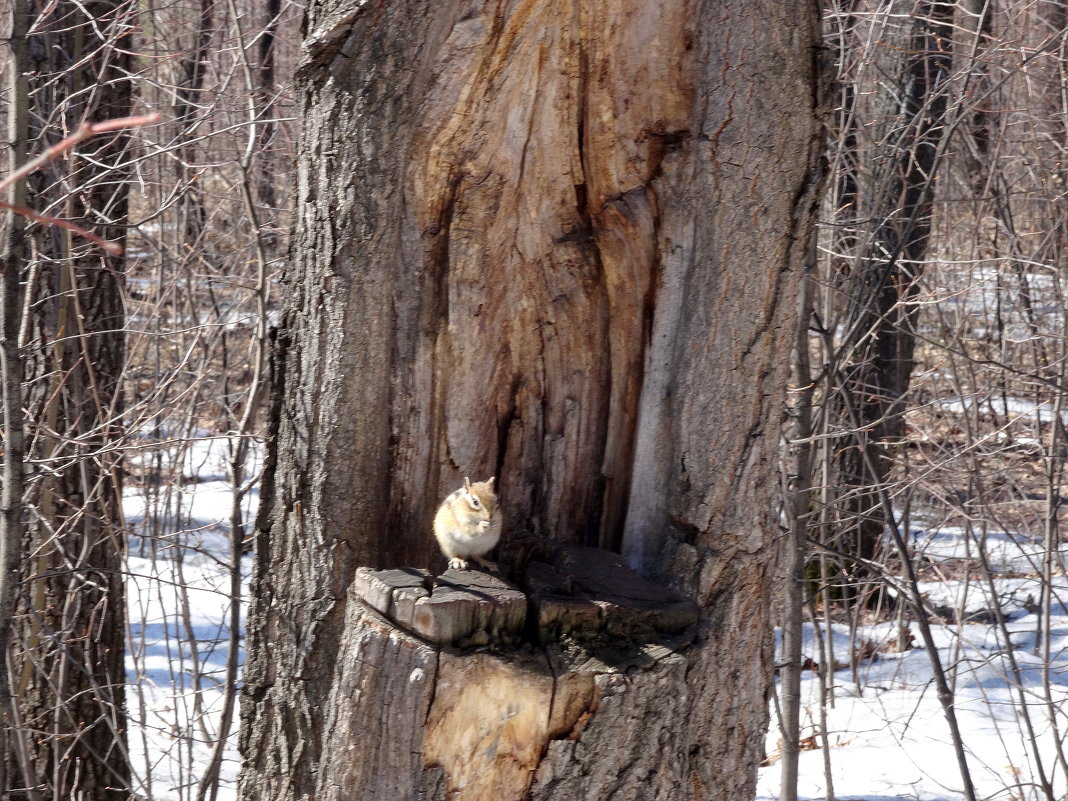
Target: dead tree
x,y
557,243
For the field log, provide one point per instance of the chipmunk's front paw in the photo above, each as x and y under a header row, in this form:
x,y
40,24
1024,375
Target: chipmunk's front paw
x,y
457,564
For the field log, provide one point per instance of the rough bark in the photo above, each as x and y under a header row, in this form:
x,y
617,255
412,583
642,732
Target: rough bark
x,y
557,243
68,670
186,116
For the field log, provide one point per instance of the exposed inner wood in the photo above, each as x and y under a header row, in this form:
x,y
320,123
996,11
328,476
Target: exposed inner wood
x,y
532,179
515,670
558,242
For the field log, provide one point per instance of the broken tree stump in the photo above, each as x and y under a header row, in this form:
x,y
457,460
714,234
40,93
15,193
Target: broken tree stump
x,y
466,687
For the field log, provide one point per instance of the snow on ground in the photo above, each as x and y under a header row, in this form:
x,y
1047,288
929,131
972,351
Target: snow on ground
x,y
889,736
1006,552
176,692
888,732
890,739
1013,409
178,601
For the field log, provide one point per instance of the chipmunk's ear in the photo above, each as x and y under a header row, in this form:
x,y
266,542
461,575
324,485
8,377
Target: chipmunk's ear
x,y
467,483
491,480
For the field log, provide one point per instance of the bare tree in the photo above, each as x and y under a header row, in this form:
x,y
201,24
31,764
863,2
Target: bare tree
x,y
67,670
13,63
941,256
889,199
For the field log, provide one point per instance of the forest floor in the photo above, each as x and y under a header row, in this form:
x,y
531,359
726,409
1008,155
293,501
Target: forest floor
x,y
886,728
888,734
178,600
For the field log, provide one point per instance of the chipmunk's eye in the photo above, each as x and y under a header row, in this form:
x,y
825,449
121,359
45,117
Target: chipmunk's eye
x,y
474,501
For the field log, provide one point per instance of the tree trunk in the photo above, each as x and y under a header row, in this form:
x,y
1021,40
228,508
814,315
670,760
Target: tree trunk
x,y
187,116
461,712
893,208
68,665
267,183
14,765
557,243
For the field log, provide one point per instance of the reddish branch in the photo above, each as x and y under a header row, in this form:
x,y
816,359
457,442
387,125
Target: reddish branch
x,y
114,248
85,131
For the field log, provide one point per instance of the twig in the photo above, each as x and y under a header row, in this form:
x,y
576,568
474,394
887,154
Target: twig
x,y
85,131
114,248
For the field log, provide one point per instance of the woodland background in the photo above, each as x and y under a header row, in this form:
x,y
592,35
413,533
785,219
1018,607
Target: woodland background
x,y
923,456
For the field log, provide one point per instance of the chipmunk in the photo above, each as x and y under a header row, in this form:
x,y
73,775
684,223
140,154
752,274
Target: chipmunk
x,y
467,524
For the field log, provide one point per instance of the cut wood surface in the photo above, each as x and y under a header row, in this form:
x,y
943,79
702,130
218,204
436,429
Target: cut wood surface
x,y
459,608
477,689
